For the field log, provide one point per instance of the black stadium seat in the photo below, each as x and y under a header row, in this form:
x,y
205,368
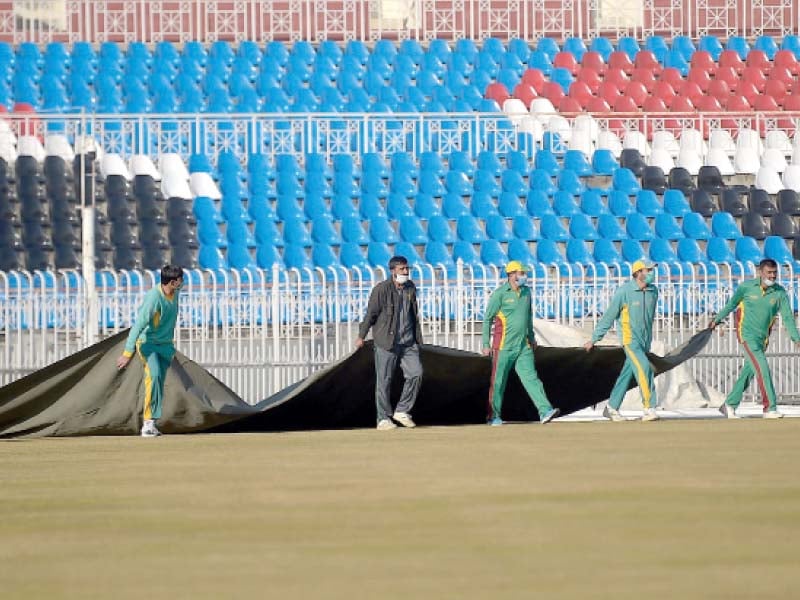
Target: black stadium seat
x,y
783,225
703,203
762,203
632,159
789,202
710,180
754,225
733,201
681,179
653,178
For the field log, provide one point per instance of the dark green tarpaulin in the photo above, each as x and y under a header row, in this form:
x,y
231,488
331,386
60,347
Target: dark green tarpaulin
x,y
85,394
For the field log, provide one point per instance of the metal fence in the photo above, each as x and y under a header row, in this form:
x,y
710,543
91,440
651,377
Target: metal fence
x,y
261,331
316,20
385,134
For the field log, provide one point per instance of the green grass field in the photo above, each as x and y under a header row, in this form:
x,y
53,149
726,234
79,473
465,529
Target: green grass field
x,y
677,509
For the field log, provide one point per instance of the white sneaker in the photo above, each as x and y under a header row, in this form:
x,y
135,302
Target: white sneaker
x,y
404,419
650,415
773,414
728,412
613,414
149,429
386,425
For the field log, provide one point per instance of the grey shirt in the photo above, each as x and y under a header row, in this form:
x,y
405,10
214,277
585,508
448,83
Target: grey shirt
x,y
404,332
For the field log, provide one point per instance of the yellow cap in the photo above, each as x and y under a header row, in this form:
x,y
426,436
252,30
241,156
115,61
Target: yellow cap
x,y
639,265
515,266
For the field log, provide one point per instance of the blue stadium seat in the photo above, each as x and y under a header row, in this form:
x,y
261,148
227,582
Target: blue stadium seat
x,y
609,227
209,234
484,181
210,257
439,230
540,180
458,183
238,232
342,207
775,248
724,226
578,252
267,255
602,46
429,183
576,161
739,45
792,43
582,228
413,49
548,253
426,206
460,161
552,229
576,46
604,163
325,257
323,232
372,161
592,203
453,206
747,250
489,161
619,204
676,59
411,230
647,203
563,78
517,161
767,45
240,257
315,206
606,252
295,233
638,228
719,251
465,252
352,257
510,205
518,250
409,251
345,185
549,46
371,183
657,45
511,181
694,226
397,206
541,61
268,234
466,48
661,251
381,230
546,161
712,45
564,204
353,231
296,257
629,46
689,251
568,181
437,254
632,250
469,230
667,227
492,253
675,203
378,254
624,180
497,229
525,229
538,204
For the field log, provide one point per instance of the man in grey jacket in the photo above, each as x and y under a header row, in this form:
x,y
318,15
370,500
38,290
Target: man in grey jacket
x,y
393,315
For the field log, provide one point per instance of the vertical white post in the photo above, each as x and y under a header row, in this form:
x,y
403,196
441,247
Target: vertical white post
x,y
87,241
460,304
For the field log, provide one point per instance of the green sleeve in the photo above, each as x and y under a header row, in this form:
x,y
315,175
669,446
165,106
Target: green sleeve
x,y
531,334
730,306
787,316
492,309
142,320
608,318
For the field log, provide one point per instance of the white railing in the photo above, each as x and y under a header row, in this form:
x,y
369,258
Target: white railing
x,y
385,134
317,20
261,331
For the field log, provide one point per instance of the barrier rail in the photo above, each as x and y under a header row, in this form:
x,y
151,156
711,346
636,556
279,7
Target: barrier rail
x,y
317,20
260,331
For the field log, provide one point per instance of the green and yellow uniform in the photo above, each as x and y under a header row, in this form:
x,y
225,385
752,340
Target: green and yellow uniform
x,y
756,307
152,338
634,309
512,340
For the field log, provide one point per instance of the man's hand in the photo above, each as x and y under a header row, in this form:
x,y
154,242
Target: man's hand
x,y
486,351
588,346
123,361
359,342
712,325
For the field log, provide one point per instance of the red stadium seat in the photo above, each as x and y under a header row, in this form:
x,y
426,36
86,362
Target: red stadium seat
x,y
636,91
620,60
497,92
682,104
590,78
672,76
654,104
709,104
755,76
609,92
777,90
644,76
749,90
781,74
580,92
618,77
535,78
598,105
646,59
569,105
593,61
566,60
730,58
729,76
665,91
691,91
765,103
703,60
526,93
700,77
791,103
786,59
757,58
719,90
738,104
624,104
553,92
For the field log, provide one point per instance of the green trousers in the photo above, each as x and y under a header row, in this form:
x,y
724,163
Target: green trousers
x,y
156,359
755,366
636,365
522,361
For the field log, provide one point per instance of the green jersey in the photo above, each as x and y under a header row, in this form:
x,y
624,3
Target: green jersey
x,y
756,308
512,316
155,323
634,308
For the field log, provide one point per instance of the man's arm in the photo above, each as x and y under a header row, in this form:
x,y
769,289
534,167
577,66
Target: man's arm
x,y
608,318
787,316
730,306
373,310
143,318
492,308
